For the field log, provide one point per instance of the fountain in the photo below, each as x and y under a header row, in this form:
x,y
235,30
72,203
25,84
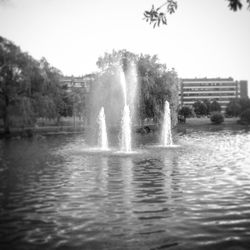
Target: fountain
x,y
124,85
126,121
102,137
166,136
126,130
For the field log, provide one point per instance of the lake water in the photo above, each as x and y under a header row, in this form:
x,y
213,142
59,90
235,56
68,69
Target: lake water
x,y
57,194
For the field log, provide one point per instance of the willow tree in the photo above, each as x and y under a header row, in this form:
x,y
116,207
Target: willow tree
x,y
14,86
28,88
155,83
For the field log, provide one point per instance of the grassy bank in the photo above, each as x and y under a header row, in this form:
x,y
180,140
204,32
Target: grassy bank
x,y
69,126
48,130
46,127
206,124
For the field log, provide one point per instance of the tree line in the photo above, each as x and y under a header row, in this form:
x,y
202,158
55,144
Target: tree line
x,y
31,89
235,108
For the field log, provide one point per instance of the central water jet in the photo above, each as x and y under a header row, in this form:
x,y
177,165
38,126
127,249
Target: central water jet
x,y
126,120
166,135
126,130
102,137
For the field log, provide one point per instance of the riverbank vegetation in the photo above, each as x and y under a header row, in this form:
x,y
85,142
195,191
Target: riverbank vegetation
x,y
149,82
29,89
238,108
33,95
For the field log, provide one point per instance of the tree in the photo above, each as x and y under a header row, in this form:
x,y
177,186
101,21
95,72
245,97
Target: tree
x,y
215,107
157,17
208,106
53,90
110,61
185,111
200,108
155,84
236,106
28,88
15,84
245,117
233,108
244,103
47,92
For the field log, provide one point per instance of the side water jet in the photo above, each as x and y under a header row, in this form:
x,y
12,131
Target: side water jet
x,y
102,137
166,136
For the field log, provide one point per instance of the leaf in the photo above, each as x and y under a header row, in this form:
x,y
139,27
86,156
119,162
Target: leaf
x,y
172,6
235,5
164,20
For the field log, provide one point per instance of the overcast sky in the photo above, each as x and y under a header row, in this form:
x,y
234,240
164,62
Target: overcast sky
x,y
203,39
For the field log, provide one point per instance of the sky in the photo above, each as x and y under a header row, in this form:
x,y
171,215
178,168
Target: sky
x,y
202,39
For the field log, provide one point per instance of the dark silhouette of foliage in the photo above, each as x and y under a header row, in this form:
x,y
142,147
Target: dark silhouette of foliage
x,y
233,108
244,103
217,118
236,106
28,88
245,117
185,111
236,5
215,107
156,16
200,108
208,106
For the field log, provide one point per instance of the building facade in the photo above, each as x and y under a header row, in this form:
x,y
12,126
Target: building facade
x,y
78,82
222,90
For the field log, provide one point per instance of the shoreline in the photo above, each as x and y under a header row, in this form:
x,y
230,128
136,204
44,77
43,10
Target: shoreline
x,y
43,131
191,123
206,125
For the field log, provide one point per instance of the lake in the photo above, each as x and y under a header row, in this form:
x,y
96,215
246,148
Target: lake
x,y
57,193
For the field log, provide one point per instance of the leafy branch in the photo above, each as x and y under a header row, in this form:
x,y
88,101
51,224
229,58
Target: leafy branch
x,y
236,5
156,16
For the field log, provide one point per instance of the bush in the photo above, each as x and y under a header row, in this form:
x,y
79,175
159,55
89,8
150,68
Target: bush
x,y
245,117
217,118
185,111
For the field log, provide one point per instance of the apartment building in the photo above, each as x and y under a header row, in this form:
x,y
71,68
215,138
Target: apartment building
x,y
220,89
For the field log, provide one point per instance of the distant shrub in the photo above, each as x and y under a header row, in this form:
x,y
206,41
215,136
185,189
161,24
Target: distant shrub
x,y
245,117
217,118
185,111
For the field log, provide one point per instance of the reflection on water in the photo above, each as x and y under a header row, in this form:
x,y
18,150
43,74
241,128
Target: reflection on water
x,y
53,195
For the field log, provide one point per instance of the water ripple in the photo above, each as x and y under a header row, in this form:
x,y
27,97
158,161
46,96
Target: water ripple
x,y
192,197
